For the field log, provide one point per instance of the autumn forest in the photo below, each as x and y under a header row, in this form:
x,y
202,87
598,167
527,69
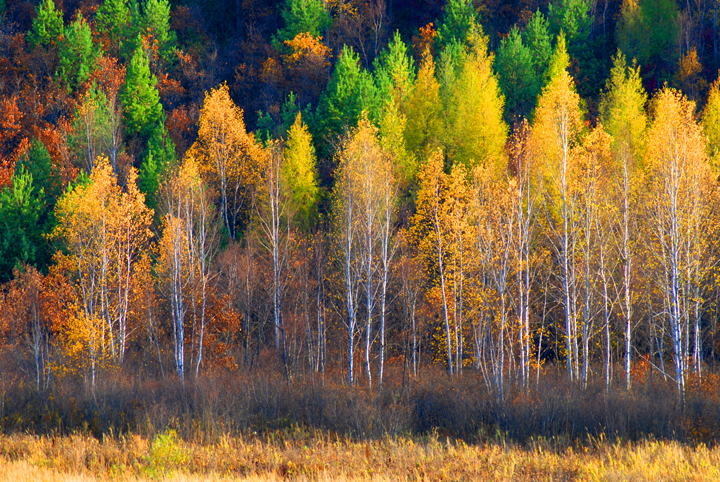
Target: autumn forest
x,y
365,217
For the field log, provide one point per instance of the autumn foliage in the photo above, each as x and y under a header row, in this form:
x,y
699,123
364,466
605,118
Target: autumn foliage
x,y
359,196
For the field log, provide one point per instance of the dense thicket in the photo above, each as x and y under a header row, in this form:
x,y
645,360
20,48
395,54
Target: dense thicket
x,y
345,188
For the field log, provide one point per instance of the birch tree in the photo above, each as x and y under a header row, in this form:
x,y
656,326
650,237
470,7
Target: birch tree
x,y
369,202
429,232
104,230
556,133
622,112
186,251
679,184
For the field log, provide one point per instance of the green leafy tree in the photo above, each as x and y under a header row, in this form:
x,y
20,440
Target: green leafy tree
x,y
459,19
47,27
302,16
518,79
143,111
77,54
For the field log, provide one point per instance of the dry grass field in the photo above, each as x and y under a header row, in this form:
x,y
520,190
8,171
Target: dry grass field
x,y
323,457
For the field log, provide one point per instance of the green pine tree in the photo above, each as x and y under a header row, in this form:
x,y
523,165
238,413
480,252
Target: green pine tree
x,y
350,92
518,80
25,217
143,111
537,39
156,21
160,156
570,16
113,19
459,19
394,71
38,163
47,27
574,18
302,16
77,54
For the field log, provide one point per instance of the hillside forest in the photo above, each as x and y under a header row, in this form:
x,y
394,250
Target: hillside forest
x,y
359,192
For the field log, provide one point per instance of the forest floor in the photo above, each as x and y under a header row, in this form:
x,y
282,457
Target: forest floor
x,y
324,457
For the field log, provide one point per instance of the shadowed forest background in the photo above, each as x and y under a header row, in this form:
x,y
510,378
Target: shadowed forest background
x,y
491,219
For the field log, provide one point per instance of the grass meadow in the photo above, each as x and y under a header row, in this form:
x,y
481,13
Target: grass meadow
x,y
258,425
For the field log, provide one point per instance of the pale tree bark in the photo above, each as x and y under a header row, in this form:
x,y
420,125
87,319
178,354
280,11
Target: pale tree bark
x,y
274,220
186,252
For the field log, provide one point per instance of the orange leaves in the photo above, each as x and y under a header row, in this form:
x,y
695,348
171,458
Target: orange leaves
x,y
306,48
10,129
227,155
108,75
425,40
271,72
689,75
307,66
181,127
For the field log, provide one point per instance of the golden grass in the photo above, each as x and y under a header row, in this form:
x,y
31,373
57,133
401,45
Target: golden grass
x,y
323,457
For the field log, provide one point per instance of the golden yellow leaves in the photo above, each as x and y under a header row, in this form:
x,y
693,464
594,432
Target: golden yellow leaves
x,y
104,229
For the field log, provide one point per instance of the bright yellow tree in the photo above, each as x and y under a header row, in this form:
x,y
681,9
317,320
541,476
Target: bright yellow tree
x,y
476,132
423,111
556,134
299,172
679,217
